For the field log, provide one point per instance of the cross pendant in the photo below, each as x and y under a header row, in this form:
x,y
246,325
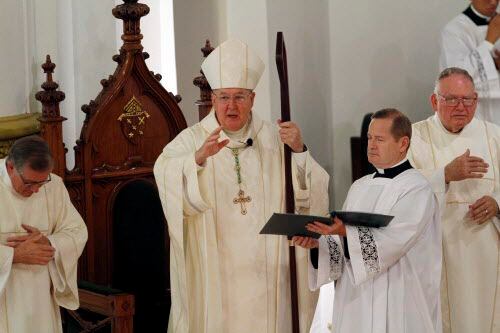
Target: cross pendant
x,y
241,199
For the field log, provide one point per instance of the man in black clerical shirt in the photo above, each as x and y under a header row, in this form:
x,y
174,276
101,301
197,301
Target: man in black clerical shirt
x,y
388,278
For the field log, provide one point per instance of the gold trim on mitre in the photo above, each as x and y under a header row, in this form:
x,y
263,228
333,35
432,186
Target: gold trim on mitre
x,y
233,65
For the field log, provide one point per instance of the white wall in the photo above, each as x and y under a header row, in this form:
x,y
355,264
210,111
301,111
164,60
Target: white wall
x,y
383,54
247,20
345,58
305,26
77,35
81,37
15,83
86,42
305,30
159,41
194,22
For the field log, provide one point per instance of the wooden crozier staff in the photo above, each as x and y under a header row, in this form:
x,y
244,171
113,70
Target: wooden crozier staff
x,y
290,201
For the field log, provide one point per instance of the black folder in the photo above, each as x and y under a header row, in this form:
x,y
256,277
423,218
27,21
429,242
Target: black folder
x,y
362,219
295,225
292,225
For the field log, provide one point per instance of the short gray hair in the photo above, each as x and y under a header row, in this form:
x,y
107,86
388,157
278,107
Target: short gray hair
x,y
447,72
31,151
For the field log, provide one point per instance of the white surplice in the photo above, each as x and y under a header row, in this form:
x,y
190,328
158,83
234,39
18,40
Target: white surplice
x,y
470,287
390,284
30,295
225,277
463,45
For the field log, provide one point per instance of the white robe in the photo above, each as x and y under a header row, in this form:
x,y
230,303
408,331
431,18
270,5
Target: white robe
x,y
30,295
463,45
391,282
225,277
470,285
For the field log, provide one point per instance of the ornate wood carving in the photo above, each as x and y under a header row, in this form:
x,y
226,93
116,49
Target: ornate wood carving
x,y
104,156
125,129
51,120
109,160
205,101
133,120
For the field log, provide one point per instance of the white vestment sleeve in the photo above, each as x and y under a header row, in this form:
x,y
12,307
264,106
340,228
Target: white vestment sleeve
x,y
301,173
193,200
68,238
478,61
6,257
308,176
374,250
179,155
300,159
435,177
330,262
176,174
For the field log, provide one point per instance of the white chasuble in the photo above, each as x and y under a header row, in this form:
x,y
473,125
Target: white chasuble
x,y
470,286
225,276
463,45
389,280
30,295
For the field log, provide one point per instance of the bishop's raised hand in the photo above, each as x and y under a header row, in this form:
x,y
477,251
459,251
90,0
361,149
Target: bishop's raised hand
x,y
210,147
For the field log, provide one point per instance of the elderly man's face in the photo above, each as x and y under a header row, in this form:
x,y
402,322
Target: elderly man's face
x,y
455,102
27,181
384,151
232,107
485,7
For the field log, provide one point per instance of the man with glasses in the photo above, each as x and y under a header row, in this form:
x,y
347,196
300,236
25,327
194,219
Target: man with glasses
x,y
470,41
41,237
220,181
460,156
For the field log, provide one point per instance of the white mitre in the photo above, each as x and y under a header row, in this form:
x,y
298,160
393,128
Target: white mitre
x,y
233,65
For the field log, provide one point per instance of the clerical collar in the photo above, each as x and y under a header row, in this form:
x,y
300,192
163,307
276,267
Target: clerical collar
x,y
239,138
241,133
476,17
393,171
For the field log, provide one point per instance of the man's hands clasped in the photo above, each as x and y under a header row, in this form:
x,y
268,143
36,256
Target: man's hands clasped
x,y
31,249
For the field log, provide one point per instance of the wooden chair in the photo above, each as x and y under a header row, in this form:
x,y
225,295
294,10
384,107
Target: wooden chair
x,y
359,160
112,185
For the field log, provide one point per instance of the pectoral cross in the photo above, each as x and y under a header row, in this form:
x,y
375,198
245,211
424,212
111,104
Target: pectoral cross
x,y
241,199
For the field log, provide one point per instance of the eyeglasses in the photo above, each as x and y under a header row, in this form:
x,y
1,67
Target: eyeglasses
x,y
454,101
238,98
29,183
